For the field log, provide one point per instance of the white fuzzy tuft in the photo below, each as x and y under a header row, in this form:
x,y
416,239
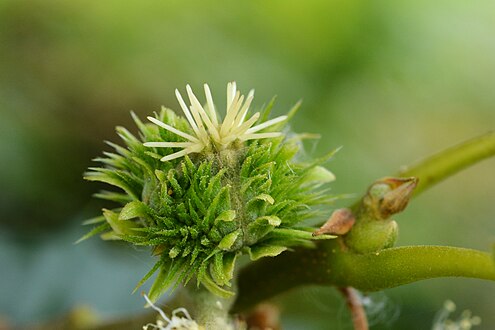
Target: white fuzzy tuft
x,y
208,131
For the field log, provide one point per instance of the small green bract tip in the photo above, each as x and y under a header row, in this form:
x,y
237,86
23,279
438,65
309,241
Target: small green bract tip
x,y
201,192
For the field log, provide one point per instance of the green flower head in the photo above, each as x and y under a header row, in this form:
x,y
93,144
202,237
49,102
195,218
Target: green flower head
x,y
201,192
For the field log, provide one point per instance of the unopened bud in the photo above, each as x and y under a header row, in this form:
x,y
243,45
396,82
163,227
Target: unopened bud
x,y
389,196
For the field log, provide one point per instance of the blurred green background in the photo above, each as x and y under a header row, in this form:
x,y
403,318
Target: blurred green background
x,y
390,81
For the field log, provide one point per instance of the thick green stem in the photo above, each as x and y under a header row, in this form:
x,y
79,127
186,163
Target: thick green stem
x,y
330,265
270,276
402,265
446,163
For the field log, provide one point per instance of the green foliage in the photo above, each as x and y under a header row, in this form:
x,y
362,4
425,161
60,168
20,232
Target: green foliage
x,y
200,213
364,258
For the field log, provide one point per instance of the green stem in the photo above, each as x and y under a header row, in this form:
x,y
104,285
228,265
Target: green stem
x,y
211,311
330,265
402,265
270,276
446,163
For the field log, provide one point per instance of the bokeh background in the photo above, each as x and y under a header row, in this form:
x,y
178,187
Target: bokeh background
x,y
390,81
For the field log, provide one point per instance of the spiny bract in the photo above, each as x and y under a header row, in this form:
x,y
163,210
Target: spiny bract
x,y
199,211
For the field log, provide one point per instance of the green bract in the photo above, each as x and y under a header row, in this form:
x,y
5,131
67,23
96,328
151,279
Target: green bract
x,y
199,212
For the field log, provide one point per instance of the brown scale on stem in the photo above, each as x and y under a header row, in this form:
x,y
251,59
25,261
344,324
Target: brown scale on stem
x,y
339,223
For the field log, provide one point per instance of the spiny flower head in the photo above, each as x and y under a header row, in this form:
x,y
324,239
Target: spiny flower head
x,y
235,187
